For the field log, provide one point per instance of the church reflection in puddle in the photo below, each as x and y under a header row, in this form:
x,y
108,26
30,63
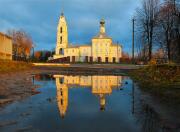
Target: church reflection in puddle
x,y
101,86
80,100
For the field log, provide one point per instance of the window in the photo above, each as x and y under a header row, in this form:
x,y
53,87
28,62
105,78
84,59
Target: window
x,y
61,51
61,93
61,80
61,101
61,40
61,30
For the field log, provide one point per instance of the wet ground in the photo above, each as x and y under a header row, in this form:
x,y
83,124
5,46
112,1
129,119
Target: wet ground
x,y
86,103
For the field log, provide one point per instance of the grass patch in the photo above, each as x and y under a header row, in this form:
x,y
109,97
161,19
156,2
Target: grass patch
x,y
162,81
12,66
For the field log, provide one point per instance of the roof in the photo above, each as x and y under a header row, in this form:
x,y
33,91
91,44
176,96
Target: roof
x,y
116,45
102,36
78,45
5,35
73,46
85,45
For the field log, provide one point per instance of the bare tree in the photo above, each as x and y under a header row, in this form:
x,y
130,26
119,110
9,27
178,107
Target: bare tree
x,y
168,30
147,20
176,32
166,23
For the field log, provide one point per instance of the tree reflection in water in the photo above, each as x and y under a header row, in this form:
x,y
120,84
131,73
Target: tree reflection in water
x,y
146,115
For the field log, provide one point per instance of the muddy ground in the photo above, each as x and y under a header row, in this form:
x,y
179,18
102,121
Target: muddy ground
x,y
15,86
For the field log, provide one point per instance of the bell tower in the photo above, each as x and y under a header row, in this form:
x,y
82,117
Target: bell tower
x,y
62,37
62,95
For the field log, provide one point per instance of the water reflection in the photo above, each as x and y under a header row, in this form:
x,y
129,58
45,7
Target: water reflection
x,y
101,86
81,99
131,103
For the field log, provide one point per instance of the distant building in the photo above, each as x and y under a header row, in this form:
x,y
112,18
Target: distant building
x,y
102,48
5,47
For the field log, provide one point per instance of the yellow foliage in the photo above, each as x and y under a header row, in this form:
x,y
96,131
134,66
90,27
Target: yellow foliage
x,y
153,62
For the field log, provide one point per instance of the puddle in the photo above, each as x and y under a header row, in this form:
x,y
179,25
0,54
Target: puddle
x,y
78,103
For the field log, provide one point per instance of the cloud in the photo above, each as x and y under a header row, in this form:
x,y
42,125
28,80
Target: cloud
x,y
40,18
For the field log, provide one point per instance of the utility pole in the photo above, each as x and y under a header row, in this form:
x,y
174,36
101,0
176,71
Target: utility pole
x,y
133,90
33,56
117,52
133,20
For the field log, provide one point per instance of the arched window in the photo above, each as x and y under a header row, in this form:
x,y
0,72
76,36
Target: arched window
x,y
61,101
61,51
61,29
61,40
61,80
61,93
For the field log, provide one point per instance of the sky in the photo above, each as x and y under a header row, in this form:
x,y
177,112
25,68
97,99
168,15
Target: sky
x,y
39,18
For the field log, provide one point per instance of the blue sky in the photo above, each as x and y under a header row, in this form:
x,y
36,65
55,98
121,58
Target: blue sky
x,y
39,18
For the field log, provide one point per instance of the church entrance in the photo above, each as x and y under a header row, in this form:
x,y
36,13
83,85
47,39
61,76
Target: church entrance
x,y
107,60
114,59
73,59
91,59
86,59
68,59
99,59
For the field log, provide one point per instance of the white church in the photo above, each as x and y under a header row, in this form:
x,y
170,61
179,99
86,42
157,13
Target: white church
x,y
102,48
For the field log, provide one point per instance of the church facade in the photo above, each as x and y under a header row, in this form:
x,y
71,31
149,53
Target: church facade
x,y
102,48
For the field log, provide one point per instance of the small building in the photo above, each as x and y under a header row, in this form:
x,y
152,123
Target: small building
x,y
5,47
101,49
